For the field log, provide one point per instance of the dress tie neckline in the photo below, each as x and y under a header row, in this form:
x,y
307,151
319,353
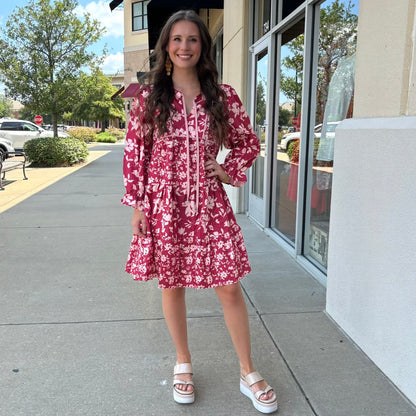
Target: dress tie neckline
x,y
194,207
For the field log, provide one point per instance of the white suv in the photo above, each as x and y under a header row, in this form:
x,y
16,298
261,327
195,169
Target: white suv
x,y
291,137
20,131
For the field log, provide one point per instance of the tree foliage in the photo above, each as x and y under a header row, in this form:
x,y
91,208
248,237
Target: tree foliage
x,y
261,101
95,102
338,36
44,48
291,85
284,116
6,106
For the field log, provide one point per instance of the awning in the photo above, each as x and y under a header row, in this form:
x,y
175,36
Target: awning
x,y
131,90
159,11
115,3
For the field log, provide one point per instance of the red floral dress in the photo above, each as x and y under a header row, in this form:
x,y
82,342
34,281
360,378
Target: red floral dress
x,y
193,239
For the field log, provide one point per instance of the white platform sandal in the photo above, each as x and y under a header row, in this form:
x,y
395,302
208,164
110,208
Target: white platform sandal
x,y
264,406
183,396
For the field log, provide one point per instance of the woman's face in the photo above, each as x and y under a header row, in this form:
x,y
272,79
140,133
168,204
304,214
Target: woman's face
x,y
184,46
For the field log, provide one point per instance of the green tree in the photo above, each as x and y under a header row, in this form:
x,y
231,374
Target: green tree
x,y
337,39
260,102
5,106
95,102
44,47
284,116
291,85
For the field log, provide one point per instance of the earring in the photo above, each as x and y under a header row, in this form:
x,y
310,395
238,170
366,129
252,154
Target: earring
x,y
168,66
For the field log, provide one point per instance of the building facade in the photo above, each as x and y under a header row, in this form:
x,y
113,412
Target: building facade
x,y
341,201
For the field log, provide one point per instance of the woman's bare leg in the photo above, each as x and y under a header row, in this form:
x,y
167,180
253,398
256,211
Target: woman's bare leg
x,y
174,311
236,319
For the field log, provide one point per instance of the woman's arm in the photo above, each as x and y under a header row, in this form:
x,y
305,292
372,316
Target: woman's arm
x,y
243,142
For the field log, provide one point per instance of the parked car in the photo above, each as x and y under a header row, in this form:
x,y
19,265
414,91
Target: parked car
x,y
291,137
20,131
5,146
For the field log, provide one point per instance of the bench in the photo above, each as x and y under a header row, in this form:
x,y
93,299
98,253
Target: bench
x,y
10,161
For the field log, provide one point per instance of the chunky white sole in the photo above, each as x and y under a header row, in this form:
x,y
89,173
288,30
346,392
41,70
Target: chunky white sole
x,y
183,399
263,408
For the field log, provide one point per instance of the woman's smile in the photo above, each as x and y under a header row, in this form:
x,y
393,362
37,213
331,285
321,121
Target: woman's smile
x,y
184,47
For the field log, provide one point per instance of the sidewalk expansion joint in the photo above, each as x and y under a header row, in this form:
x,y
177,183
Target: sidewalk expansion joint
x,y
290,313
60,226
81,322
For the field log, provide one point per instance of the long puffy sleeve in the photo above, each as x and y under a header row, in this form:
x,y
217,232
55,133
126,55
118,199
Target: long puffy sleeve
x,y
243,142
137,155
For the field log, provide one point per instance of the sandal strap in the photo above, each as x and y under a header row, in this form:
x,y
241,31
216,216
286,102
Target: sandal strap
x,y
183,382
184,368
252,378
259,393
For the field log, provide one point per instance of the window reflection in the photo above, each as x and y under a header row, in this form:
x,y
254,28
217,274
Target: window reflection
x,y
260,123
290,108
334,102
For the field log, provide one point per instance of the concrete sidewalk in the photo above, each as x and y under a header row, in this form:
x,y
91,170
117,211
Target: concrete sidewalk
x,y
79,337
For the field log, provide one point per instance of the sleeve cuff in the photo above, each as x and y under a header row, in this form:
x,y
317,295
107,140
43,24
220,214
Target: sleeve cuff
x,y
131,201
236,179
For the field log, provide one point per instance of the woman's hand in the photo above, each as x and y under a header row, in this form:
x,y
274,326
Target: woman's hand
x,y
213,168
139,223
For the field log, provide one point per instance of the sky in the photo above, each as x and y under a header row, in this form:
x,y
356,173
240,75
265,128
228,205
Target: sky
x,y
113,38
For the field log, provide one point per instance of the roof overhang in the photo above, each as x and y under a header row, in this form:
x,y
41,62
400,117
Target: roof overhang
x,y
115,3
159,11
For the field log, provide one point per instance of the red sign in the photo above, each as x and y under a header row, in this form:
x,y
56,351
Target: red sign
x,y
38,119
294,121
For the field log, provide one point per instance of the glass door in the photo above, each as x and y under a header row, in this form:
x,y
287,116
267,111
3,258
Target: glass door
x,y
288,132
334,97
260,121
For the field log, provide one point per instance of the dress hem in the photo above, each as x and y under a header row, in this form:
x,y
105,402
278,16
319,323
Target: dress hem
x,y
190,286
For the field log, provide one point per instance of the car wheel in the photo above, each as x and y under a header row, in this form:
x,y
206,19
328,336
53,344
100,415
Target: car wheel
x,y
2,153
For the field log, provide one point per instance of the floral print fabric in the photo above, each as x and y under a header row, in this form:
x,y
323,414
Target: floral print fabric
x,y
193,239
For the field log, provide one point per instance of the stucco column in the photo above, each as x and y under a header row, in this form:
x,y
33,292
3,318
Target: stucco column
x,y
235,68
386,59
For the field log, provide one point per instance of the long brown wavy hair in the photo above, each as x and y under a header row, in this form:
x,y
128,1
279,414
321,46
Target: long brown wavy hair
x,y
162,93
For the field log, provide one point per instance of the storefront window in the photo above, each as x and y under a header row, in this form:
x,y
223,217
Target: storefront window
x,y
334,102
289,6
218,54
290,108
262,19
260,122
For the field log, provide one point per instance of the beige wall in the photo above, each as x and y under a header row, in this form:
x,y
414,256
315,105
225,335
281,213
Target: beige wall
x,y
132,38
235,68
236,45
386,59
136,48
136,52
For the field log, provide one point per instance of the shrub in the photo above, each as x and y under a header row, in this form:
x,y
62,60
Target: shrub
x,y
293,151
51,151
117,133
106,137
86,134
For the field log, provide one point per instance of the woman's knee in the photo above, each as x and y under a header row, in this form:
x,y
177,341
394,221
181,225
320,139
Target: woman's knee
x,y
230,294
173,295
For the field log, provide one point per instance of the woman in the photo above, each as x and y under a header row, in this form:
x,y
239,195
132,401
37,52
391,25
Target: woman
x,y
185,233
